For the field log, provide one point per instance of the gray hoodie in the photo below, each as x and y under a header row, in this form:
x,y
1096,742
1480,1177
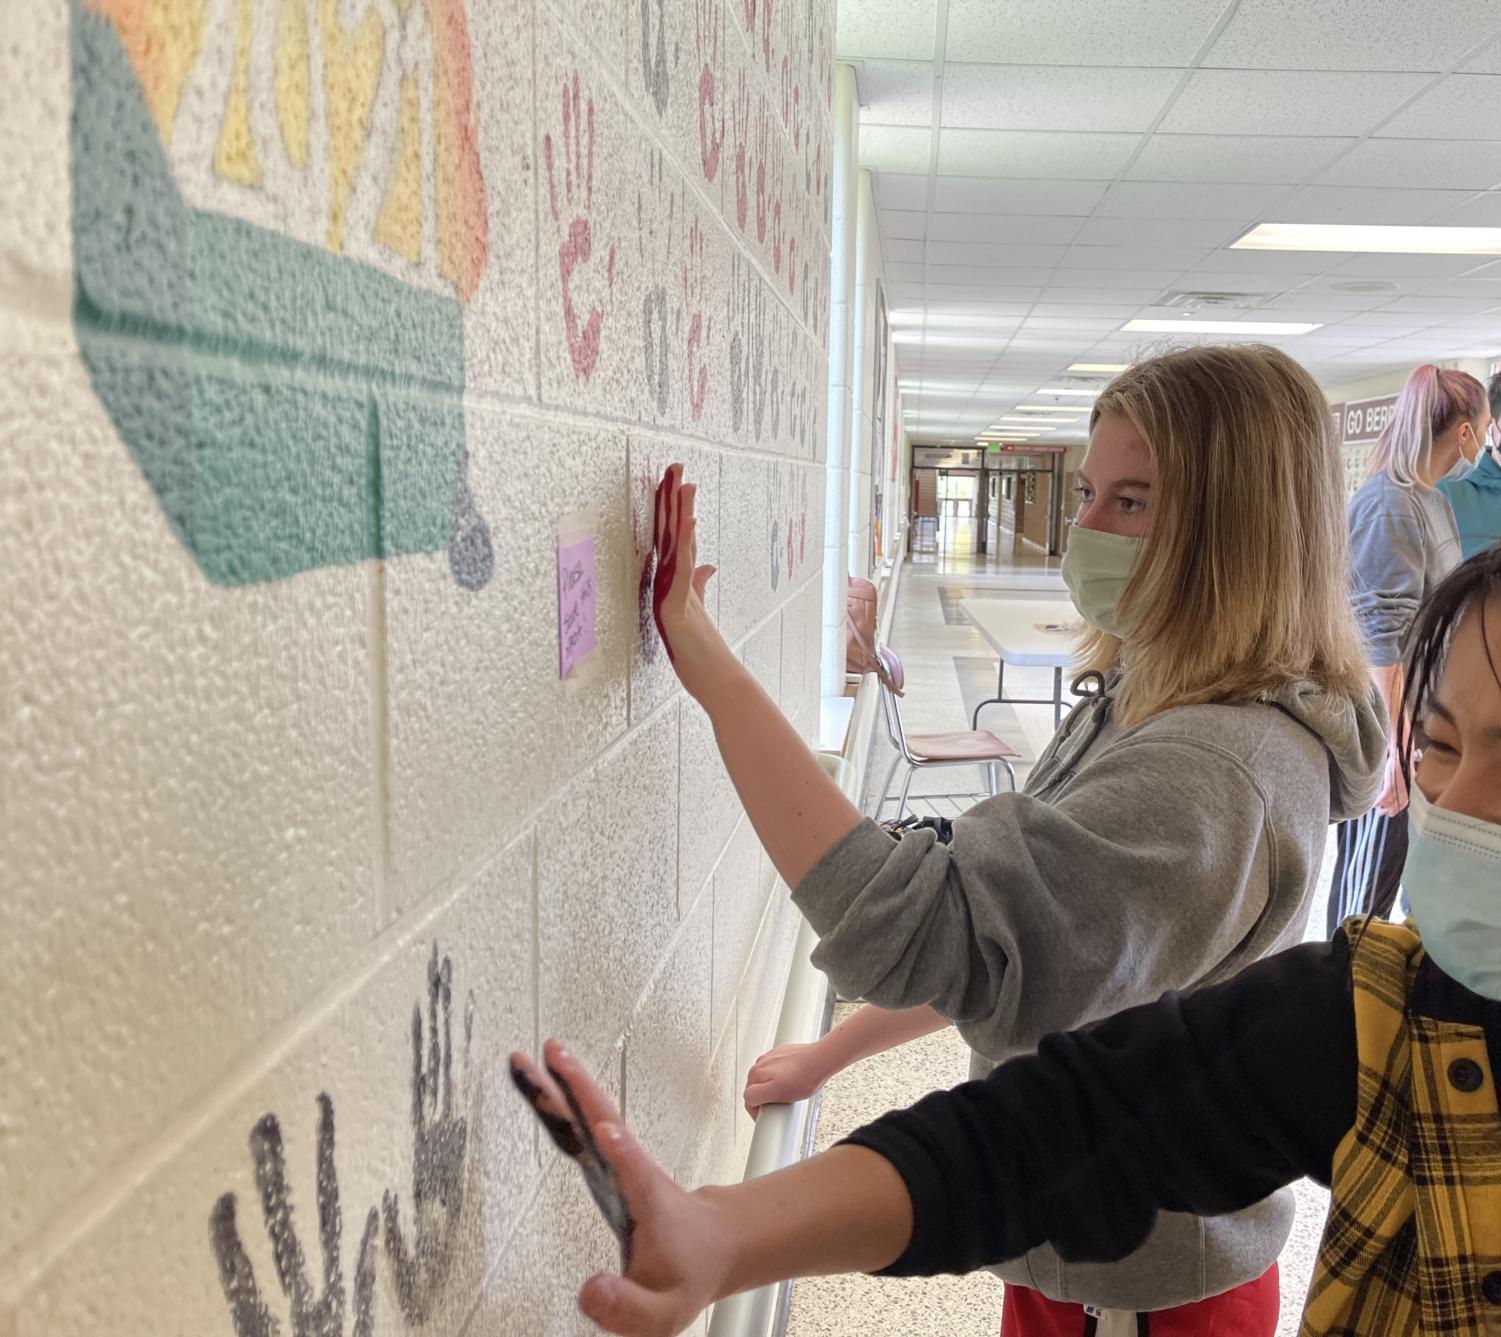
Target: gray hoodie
x,y
1165,856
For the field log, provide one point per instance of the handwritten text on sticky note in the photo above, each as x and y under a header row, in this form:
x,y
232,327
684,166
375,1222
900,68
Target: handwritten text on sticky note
x,y
576,604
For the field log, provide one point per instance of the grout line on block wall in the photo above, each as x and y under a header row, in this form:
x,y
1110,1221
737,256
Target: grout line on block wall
x,y
380,703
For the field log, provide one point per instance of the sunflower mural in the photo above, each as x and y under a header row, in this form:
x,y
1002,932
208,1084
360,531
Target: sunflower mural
x,y
279,213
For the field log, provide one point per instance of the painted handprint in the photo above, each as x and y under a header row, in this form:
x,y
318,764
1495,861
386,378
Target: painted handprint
x,y
440,1136
776,501
742,130
695,287
309,1315
706,25
766,13
737,302
574,160
763,151
644,481
654,53
654,352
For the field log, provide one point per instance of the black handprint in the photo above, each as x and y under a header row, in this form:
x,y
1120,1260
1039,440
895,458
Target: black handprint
x,y
471,555
310,1317
440,1140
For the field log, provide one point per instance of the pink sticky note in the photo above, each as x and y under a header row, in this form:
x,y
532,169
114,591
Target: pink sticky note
x,y
576,604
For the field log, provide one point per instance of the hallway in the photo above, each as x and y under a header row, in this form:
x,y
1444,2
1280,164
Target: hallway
x,y
949,669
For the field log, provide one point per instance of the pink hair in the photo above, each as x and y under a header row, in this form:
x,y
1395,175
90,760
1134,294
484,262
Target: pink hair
x,y
1432,402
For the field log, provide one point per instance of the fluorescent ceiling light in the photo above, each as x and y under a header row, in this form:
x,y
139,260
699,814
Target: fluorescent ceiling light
x,y
1366,237
1053,408
1111,367
1069,390
950,340
1040,422
958,320
1246,327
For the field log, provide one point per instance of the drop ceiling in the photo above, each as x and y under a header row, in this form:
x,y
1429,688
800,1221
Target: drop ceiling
x,y
1047,170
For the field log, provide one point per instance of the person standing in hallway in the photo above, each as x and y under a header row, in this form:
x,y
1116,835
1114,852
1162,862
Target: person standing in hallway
x,y
1403,541
1368,1063
1476,496
1171,833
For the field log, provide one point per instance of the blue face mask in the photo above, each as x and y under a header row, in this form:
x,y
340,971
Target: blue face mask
x,y
1453,883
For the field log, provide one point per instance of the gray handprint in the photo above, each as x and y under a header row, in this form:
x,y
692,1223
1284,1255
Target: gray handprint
x,y
654,63
440,1141
310,1316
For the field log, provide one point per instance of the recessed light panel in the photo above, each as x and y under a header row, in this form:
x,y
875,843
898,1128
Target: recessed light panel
x,y
1249,328
1371,238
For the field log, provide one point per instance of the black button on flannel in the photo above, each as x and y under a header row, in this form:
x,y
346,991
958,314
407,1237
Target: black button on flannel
x,y
1465,1075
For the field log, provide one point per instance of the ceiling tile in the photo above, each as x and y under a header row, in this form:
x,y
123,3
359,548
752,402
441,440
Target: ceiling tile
x,y
1460,106
886,29
1338,304
1476,211
1155,199
1158,232
1415,266
1134,257
1070,324
1014,276
1105,307
1021,153
903,250
969,195
902,224
904,273
1106,280
1488,61
1234,158
1364,204
1379,322
1082,32
1047,98
893,148
896,92
1003,228
897,190
1441,307
1205,279
1464,164
1133,298
1287,102
1272,262
1354,35
975,292
985,253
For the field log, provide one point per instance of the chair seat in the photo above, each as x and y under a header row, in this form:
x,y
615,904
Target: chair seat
x,y
976,745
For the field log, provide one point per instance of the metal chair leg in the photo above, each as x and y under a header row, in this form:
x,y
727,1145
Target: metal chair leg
x,y
993,779
886,786
1010,771
901,807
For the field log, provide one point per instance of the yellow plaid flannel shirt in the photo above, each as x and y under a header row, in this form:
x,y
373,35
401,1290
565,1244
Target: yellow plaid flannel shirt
x,y
1413,1240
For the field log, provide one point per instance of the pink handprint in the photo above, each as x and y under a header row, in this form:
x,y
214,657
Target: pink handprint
x,y
741,127
710,135
778,177
763,149
577,245
694,288
766,8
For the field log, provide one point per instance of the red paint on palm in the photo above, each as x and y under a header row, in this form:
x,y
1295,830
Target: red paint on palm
x,y
665,545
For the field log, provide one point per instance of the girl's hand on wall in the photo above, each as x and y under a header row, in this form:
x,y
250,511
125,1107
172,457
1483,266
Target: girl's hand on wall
x,y
784,1075
676,1245
693,641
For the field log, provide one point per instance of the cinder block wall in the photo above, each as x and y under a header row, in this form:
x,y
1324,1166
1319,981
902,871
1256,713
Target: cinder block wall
x,y
319,317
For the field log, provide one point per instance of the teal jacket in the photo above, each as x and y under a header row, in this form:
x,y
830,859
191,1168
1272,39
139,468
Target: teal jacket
x,y
1476,499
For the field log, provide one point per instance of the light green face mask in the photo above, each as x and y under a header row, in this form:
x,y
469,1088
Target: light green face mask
x,y
1096,568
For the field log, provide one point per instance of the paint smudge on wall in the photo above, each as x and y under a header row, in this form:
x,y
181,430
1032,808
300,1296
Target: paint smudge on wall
x,y
570,175
695,299
290,408
311,1313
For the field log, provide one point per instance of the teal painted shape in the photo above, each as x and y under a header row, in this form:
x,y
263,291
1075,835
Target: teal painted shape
x,y
290,408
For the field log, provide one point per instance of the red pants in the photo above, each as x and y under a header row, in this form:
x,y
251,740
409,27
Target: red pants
x,y
1247,1311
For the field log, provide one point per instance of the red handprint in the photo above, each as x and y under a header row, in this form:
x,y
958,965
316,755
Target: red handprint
x,y
577,246
710,135
741,126
694,287
748,7
763,149
766,8
778,177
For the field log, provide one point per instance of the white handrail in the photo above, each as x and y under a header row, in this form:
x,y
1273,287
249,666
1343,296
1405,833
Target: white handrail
x,y
783,1131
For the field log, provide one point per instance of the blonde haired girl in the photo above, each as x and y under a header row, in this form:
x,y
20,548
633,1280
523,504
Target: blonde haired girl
x,y
1403,541
1168,836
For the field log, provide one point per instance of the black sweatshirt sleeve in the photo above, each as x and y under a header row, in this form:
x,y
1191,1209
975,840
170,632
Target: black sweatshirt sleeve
x,y
1203,1102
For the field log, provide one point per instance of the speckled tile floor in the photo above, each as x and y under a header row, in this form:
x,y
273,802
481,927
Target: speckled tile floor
x,y
949,669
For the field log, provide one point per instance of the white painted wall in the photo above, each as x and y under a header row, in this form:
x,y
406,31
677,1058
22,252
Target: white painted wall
x,y
242,822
